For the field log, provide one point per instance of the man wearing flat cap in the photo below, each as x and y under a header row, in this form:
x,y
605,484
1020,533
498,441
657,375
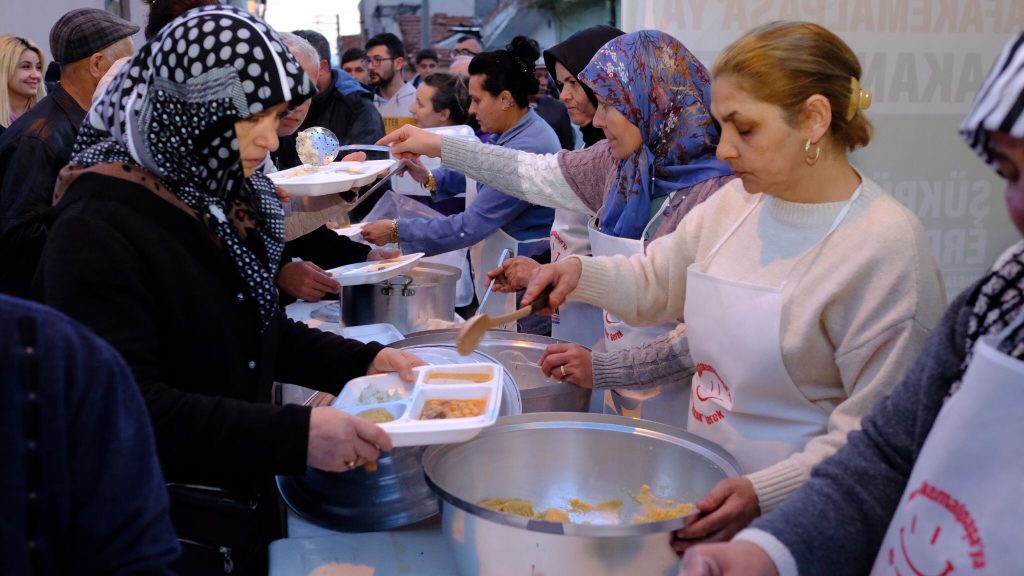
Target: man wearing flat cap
x,y
85,42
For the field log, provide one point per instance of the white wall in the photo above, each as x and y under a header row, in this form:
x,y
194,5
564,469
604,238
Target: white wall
x,y
33,19
923,61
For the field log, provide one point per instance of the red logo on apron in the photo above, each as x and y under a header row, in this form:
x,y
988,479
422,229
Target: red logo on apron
x,y
565,247
710,388
930,547
612,334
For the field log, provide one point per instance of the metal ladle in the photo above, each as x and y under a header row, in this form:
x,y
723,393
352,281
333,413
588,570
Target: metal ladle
x,y
317,146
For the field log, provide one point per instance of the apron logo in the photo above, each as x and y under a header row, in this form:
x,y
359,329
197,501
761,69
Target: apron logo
x,y
612,334
710,387
928,545
565,247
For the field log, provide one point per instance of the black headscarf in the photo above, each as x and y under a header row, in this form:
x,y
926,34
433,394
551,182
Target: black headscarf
x,y
172,110
575,53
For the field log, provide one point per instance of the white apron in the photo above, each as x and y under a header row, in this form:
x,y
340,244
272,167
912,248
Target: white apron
x,y
484,256
577,322
962,509
742,397
665,403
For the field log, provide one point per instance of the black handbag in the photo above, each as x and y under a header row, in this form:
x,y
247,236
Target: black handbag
x,y
220,532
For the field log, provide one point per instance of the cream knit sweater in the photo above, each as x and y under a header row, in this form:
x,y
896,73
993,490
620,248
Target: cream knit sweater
x,y
856,307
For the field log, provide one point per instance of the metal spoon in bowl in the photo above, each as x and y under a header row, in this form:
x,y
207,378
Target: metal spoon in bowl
x,y
470,335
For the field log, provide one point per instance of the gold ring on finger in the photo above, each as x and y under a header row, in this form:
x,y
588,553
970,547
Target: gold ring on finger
x,y
562,369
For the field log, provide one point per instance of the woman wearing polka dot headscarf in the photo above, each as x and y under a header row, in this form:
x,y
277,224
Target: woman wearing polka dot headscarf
x,y
166,242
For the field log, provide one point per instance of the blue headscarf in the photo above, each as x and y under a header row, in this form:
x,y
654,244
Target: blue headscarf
x,y
659,86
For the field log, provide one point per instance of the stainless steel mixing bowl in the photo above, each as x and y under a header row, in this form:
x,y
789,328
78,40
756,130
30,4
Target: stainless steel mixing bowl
x,y
552,457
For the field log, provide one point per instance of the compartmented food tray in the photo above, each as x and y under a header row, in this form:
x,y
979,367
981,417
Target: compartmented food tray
x,y
448,403
333,178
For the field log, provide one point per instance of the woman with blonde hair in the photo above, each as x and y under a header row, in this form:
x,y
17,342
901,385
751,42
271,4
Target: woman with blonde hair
x,y
21,77
807,289
930,482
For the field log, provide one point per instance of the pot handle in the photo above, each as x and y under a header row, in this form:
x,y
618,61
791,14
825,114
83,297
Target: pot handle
x,y
390,284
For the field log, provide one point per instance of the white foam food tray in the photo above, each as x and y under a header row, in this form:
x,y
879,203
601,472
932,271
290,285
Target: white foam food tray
x,y
333,178
383,333
373,271
446,389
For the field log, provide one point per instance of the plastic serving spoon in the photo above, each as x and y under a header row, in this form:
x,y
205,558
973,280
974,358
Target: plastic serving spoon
x,y
470,335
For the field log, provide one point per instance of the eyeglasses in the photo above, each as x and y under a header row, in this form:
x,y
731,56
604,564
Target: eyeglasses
x,y
463,52
377,61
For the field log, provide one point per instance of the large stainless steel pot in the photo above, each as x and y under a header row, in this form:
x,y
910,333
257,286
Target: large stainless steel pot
x,y
550,458
519,354
408,301
396,494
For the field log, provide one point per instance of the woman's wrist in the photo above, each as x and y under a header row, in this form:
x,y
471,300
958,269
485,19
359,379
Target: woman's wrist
x,y
431,183
394,231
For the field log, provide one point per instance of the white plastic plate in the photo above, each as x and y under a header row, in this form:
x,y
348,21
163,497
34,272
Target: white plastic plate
x,y
333,178
383,333
350,230
409,427
373,271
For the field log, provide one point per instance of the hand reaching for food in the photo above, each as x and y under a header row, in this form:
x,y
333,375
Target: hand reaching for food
x,y
415,169
306,281
409,142
378,232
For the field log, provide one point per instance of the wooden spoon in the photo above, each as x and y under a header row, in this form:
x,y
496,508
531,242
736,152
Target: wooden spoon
x,y
470,335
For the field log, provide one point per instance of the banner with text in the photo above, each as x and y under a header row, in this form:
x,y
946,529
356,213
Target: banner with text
x,y
923,62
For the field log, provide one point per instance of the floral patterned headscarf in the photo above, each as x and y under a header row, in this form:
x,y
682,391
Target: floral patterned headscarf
x,y
659,86
172,111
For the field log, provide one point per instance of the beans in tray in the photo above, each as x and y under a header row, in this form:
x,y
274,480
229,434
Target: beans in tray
x,y
438,408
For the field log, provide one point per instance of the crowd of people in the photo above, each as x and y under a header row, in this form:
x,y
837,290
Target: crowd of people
x,y
714,261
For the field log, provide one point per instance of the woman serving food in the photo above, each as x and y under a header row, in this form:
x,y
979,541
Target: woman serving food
x,y
796,324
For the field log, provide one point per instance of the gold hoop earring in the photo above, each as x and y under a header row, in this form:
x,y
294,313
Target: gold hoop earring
x,y
807,152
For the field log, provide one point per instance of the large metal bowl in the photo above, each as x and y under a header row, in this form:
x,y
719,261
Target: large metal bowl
x,y
550,458
519,354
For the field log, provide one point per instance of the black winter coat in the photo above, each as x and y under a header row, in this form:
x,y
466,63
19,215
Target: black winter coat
x,y
147,277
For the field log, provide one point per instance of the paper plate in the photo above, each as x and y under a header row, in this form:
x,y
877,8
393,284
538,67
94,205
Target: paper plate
x,y
350,230
333,178
373,271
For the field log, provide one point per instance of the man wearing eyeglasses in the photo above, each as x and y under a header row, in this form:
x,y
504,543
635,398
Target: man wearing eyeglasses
x,y
385,54
467,46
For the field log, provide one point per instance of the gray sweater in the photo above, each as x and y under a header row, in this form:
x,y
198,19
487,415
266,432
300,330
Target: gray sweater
x,y
835,523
